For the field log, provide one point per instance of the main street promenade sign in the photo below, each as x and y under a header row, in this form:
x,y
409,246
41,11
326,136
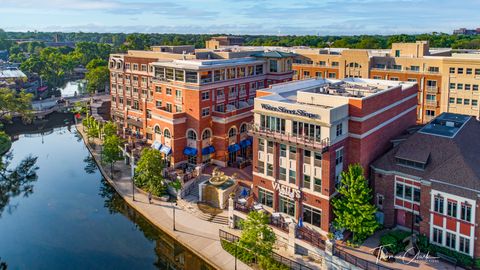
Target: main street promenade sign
x,y
289,111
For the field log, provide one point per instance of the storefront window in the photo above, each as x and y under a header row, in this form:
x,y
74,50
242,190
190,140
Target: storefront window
x,y
287,206
265,197
312,216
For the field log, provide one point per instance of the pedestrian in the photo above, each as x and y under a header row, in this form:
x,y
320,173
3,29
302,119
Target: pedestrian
x,y
149,197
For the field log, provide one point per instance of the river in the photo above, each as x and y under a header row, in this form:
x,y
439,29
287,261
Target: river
x,y
73,219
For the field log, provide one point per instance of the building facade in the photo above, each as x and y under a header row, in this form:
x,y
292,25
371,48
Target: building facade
x,y
448,81
194,110
305,133
430,183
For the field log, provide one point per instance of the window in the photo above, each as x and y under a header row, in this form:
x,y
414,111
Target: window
x,y
451,100
430,113
206,95
339,156
466,101
157,130
283,150
466,212
452,70
451,240
380,199
467,86
259,70
397,67
322,63
394,78
438,236
178,108
272,123
269,169
168,107
135,66
205,112
273,66
191,76
452,209
459,86
339,129
433,69
206,134
377,77
149,114
438,204
397,53
127,65
291,176
178,94
158,89
168,91
260,166
477,71
408,192
469,71
265,197
475,87
399,190
416,194
414,68
166,133
460,70
332,75
136,106
283,174
474,102
287,206
306,181
232,132
452,85
144,67
459,101
431,97
191,135
158,104
464,245
312,216
306,130
306,74
317,184
307,154
335,64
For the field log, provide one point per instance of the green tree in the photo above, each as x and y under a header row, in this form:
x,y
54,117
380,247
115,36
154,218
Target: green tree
x,y
353,208
148,173
258,237
109,129
12,103
97,79
97,62
111,151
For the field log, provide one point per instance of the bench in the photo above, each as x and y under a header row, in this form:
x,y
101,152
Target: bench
x,y
447,258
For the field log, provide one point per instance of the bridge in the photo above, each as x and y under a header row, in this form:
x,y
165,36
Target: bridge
x,y
42,108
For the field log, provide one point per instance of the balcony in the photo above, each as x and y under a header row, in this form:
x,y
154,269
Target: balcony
x,y
432,89
433,103
254,129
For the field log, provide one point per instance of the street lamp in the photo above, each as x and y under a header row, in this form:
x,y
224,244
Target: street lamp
x,y
236,245
132,164
173,207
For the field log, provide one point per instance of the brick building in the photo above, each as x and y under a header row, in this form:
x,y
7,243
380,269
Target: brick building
x,y
306,132
193,106
431,181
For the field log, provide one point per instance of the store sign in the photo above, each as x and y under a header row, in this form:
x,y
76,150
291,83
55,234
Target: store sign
x,y
289,111
287,191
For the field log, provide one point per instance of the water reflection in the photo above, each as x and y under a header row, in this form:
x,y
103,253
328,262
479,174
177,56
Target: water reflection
x,y
17,181
90,165
172,255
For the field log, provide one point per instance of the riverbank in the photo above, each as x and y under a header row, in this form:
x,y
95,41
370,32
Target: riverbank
x,y
5,143
199,236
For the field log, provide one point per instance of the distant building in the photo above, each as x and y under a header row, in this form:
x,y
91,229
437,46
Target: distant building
x,y
465,31
222,41
11,77
431,181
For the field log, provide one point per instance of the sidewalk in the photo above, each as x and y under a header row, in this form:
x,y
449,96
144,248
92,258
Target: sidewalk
x,y
199,236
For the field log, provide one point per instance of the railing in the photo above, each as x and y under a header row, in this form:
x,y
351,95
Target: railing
x,y
241,207
279,223
361,263
231,238
432,89
307,141
311,237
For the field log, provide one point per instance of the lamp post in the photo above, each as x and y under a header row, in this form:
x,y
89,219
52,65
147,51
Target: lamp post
x,y
132,164
236,255
173,207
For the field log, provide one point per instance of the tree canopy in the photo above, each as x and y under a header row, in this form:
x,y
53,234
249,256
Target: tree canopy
x,y
111,152
13,103
353,209
257,236
148,173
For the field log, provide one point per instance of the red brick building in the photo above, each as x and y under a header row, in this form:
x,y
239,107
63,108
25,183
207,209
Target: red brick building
x,y
194,110
306,132
431,181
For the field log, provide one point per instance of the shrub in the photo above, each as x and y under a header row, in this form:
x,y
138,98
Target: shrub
x,y
422,243
477,263
391,244
462,259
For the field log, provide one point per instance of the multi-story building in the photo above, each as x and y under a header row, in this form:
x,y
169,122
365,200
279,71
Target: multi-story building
x,y
306,132
448,81
430,182
194,110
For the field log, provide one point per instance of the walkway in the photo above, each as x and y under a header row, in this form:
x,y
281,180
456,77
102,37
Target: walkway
x,y
199,236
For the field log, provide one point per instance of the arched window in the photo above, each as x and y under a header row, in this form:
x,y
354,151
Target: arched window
x,y
191,134
243,128
206,134
166,133
157,130
354,65
232,132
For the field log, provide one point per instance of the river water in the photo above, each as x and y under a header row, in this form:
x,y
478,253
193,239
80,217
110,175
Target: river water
x,y
72,218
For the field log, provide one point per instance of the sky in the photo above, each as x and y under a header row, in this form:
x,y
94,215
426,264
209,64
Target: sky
x,y
277,17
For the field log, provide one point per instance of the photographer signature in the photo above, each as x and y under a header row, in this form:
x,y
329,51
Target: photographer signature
x,y
405,258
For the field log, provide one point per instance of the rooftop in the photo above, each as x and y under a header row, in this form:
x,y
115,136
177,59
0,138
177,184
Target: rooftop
x,y
202,63
11,73
445,125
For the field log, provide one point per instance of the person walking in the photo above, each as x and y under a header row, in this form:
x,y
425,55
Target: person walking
x,y
149,197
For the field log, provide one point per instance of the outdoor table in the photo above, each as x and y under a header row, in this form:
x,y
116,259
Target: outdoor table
x,y
258,207
276,215
242,201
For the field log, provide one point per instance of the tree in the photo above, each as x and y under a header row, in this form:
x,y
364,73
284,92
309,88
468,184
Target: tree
x,y
12,103
257,236
96,63
97,79
353,208
109,129
148,173
111,151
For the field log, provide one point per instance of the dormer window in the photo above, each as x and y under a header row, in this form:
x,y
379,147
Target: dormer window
x,y
411,163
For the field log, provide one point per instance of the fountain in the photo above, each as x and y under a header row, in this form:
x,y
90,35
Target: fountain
x,y
216,190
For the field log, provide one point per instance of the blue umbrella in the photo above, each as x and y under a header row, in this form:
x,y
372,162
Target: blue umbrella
x,y
244,192
300,223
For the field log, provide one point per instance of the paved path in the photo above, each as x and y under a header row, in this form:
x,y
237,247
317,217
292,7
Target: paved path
x,y
199,236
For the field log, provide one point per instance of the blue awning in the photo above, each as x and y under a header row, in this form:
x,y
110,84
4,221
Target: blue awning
x,y
166,150
233,148
245,143
189,151
208,150
157,145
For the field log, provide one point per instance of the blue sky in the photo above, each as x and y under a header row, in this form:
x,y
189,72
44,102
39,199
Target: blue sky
x,y
282,17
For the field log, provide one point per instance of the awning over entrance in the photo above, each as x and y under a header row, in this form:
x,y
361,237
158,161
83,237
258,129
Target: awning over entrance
x,y
208,150
189,151
134,122
157,145
233,148
166,150
246,143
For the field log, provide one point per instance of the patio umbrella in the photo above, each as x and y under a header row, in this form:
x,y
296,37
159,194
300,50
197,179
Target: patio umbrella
x,y
300,223
244,192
